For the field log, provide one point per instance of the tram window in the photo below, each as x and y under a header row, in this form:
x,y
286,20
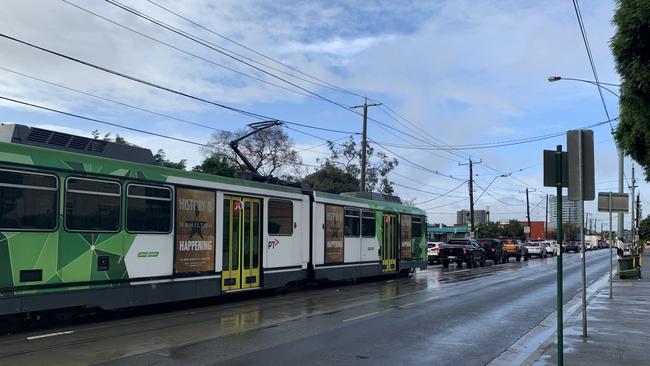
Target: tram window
x,y
352,222
92,205
368,224
280,217
416,227
148,209
28,201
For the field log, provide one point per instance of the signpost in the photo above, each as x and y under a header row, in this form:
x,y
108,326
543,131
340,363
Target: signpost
x,y
573,169
612,202
555,171
580,146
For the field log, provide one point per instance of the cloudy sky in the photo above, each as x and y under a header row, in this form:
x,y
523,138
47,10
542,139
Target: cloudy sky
x,y
456,72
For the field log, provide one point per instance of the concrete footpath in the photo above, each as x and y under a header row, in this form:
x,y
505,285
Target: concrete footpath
x,y
617,329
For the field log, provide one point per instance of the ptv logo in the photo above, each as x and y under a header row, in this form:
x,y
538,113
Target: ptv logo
x,y
273,243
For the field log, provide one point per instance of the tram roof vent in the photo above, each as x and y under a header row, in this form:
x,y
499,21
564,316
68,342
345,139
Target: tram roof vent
x,y
21,134
375,196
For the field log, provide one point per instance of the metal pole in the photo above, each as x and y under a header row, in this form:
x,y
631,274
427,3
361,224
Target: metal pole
x,y
584,271
582,238
530,230
560,303
364,143
621,216
632,208
611,243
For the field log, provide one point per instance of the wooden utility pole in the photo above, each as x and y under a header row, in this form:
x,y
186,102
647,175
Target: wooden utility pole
x,y
471,193
546,220
364,141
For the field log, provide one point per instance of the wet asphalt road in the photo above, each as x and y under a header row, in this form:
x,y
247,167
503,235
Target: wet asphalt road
x,y
436,317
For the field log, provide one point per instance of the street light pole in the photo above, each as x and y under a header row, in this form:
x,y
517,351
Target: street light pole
x,y
621,160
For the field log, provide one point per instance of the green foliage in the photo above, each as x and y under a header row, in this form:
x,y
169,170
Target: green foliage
x,y
488,230
217,165
631,49
271,151
644,229
513,229
347,157
163,161
332,179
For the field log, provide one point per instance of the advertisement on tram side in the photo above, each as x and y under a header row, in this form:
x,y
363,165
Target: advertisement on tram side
x,y
195,231
334,242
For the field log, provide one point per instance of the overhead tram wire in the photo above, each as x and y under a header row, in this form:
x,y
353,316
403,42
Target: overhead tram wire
x,y
221,50
113,124
585,40
446,194
422,191
417,165
169,45
168,89
112,100
319,82
495,144
28,104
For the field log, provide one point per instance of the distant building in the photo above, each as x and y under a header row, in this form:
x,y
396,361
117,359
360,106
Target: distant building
x,y
537,231
571,211
480,216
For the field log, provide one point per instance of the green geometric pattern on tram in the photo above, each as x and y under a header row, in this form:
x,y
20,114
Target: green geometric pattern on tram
x,y
71,247
116,268
29,251
75,165
6,277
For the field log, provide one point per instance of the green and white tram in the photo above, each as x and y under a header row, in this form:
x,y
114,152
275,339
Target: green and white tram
x,y
87,222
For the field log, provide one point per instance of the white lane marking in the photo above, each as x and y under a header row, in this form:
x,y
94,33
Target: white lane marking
x,y
418,302
31,338
361,316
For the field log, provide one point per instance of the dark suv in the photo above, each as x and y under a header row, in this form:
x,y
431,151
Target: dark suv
x,y
493,250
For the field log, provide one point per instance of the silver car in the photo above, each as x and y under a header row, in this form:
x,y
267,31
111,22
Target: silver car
x,y
536,248
551,247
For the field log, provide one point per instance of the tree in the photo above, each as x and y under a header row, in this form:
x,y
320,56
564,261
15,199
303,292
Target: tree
x,y
488,230
216,165
332,179
271,151
162,160
513,229
346,157
631,51
644,229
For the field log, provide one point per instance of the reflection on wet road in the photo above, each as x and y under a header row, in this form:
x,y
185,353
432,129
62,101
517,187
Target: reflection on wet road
x,y
423,319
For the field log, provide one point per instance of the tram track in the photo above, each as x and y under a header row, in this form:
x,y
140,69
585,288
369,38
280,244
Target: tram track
x,y
184,321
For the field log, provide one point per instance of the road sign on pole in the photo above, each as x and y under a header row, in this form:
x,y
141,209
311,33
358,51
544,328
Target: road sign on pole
x,y
580,146
555,171
580,149
612,202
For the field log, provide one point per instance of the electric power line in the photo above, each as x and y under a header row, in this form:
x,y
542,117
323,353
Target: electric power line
x,y
167,89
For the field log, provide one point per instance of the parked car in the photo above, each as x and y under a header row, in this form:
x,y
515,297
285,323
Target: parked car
x,y
461,250
433,247
493,250
551,247
536,248
603,244
514,248
572,246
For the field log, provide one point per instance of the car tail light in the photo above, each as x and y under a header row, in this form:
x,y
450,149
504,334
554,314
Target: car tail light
x,y
494,250
464,250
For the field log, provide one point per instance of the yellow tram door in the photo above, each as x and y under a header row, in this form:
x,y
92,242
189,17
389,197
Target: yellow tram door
x,y
389,244
241,243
